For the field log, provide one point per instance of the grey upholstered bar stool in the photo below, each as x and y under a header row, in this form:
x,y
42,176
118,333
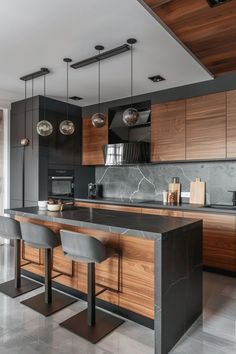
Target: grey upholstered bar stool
x,y
10,229
50,301
90,324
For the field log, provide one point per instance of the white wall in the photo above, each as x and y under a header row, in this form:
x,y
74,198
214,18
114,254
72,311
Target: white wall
x,y
6,161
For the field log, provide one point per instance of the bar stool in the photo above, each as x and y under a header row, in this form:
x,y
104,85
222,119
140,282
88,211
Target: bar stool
x,y
90,324
10,229
50,301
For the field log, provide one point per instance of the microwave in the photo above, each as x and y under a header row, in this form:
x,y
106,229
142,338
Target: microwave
x,y
61,184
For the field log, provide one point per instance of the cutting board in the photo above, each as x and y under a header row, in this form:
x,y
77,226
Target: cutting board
x,y
197,192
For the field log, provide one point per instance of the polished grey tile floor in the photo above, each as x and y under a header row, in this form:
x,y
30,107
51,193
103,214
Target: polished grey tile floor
x,y
23,331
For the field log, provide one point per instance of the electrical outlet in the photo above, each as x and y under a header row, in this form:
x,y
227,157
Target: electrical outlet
x,y
185,194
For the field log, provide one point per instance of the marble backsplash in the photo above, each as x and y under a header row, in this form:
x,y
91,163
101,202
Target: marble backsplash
x,y
147,182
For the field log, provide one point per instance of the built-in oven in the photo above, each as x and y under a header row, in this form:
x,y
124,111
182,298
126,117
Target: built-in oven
x,y
61,184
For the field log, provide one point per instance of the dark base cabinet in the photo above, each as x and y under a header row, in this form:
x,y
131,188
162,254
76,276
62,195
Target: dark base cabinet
x,y
56,150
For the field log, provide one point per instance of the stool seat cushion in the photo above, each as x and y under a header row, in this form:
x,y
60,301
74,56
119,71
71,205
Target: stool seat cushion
x,y
9,228
109,253
84,248
39,236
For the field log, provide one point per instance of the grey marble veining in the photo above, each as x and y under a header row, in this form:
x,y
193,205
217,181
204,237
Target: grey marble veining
x,y
148,181
125,223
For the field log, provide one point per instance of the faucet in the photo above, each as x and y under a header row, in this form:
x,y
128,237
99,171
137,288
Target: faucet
x,y
234,197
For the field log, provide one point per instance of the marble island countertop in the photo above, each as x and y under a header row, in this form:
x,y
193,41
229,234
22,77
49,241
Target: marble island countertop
x,y
138,225
158,205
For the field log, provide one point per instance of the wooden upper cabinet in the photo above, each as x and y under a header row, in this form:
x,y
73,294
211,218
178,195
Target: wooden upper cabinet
x,y
206,127
93,141
168,131
231,124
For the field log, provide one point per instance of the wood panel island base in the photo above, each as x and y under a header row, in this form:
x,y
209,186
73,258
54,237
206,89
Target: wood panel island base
x,y
156,281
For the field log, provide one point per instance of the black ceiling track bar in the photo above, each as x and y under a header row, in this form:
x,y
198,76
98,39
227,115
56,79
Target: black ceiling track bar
x,y
41,72
104,55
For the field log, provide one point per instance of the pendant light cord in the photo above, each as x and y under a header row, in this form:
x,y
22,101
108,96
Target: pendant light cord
x,y
44,97
25,109
67,89
99,84
131,63
32,116
23,156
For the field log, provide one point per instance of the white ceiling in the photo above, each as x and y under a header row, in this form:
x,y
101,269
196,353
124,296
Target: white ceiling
x,y
40,33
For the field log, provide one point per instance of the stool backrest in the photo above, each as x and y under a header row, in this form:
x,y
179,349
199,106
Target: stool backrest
x,y
82,248
9,228
39,236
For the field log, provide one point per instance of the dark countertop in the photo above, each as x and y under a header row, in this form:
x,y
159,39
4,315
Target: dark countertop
x,y
157,205
132,224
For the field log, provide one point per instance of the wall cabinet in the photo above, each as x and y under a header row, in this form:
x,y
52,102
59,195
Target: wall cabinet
x,y
93,141
168,131
198,128
231,124
206,127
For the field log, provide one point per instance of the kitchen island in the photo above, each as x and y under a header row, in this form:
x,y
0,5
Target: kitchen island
x,y
157,280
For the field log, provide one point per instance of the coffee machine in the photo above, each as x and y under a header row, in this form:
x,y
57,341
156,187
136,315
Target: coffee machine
x,y
94,190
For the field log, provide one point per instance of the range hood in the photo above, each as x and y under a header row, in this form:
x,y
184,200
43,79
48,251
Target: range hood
x,y
126,153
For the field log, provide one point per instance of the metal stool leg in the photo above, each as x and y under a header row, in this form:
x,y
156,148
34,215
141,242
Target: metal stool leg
x,y
17,246
50,301
91,295
48,276
99,323
18,286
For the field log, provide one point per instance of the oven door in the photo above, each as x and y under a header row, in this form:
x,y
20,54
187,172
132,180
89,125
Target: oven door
x,y
61,187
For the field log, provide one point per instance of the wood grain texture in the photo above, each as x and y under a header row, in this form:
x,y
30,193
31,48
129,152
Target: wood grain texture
x,y
136,269
93,141
156,3
87,205
137,293
219,239
197,192
206,127
164,212
109,207
168,131
62,264
31,254
231,124
210,33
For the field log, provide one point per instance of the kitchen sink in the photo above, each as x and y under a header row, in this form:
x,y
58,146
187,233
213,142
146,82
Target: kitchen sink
x,y
221,206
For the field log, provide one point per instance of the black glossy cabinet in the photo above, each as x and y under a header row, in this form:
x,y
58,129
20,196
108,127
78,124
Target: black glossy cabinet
x,y
42,152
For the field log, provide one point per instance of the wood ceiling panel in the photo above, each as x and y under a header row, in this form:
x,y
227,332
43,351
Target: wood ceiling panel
x,y
210,33
155,3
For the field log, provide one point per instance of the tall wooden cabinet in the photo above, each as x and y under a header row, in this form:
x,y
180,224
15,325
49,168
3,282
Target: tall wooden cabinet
x,y
93,141
168,131
206,127
231,124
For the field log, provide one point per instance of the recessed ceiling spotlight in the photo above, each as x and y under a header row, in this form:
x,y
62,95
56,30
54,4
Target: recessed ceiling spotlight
x,y
156,78
213,3
75,98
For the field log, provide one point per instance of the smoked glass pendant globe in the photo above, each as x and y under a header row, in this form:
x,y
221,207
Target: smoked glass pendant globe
x,y
98,120
130,117
67,127
44,128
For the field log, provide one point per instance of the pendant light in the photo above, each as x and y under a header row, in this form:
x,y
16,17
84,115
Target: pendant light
x,y
67,127
99,119
131,114
25,141
44,127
